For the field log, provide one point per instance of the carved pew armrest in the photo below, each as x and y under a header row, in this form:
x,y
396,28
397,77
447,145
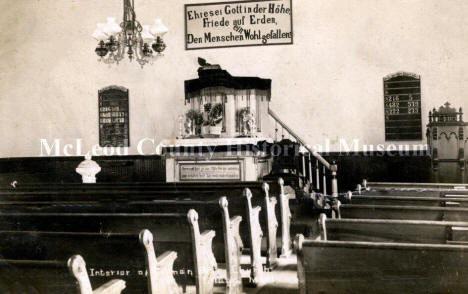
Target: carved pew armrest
x,y
256,216
167,257
207,236
235,227
206,241
166,261
256,210
111,287
236,220
273,202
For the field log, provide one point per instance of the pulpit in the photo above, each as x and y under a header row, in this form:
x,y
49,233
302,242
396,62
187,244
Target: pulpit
x,y
222,135
445,136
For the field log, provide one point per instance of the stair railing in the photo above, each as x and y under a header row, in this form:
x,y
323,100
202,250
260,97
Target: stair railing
x,y
320,162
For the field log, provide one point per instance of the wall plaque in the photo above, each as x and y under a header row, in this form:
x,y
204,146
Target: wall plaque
x,y
402,104
209,171
239,23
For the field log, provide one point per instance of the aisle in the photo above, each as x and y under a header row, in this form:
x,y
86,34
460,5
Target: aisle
x,y
283,280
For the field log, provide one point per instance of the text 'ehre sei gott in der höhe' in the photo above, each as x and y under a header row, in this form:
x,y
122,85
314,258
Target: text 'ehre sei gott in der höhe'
x,y
234,24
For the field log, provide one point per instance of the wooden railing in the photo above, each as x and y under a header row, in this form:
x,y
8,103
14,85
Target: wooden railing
x,y
321,164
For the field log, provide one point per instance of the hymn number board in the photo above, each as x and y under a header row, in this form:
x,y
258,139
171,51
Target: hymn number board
x,y
402,100
113,117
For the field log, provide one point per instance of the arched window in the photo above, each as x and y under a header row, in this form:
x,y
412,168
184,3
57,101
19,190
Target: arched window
x,y
113,117
402,105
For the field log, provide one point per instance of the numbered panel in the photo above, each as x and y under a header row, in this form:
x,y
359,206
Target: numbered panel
x,y
402,104
113,117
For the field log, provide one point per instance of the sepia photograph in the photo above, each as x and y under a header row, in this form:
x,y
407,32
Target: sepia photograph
x,y
233,146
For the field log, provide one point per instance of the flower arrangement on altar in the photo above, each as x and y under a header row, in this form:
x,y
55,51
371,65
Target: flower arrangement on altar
x,y
206,123
212,119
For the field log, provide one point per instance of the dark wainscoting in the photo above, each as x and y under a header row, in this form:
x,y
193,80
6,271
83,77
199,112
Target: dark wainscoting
x,y
62,169
352,168
381,167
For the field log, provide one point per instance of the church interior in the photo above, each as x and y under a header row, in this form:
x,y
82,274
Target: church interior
x,y
256,146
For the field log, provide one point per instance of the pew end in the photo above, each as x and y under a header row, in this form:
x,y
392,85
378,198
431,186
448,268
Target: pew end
x,y
204,259
298,245
255,238
160,269
322,220
232,249
77,267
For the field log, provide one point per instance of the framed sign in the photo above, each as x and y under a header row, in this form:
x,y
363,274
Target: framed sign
x,y
402,105
201,171
113,117
239,23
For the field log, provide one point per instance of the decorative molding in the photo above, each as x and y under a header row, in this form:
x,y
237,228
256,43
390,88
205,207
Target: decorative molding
x,y
448,136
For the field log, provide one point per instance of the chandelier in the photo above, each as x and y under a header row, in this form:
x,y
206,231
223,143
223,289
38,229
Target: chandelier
x,y
130,37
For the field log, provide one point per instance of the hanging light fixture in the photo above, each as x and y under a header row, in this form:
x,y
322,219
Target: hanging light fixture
x,y
130,37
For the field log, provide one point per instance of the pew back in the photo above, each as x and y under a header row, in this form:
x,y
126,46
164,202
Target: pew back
x,y
409,200
368,267
379,230
403,212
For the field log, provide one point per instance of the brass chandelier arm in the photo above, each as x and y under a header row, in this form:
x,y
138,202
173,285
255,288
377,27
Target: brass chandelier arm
x,y
131,39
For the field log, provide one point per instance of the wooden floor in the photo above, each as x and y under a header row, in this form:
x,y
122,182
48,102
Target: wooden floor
x,y
283,280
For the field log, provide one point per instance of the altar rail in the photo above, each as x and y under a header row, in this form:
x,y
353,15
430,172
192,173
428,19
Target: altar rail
x,y
322,167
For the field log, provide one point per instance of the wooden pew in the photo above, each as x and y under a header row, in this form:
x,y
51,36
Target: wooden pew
x,y
415,186
357,267
114,255
141,186
109,195
209,211
402,212
107,192
407,200
385,230
173,231
238,204
52,277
